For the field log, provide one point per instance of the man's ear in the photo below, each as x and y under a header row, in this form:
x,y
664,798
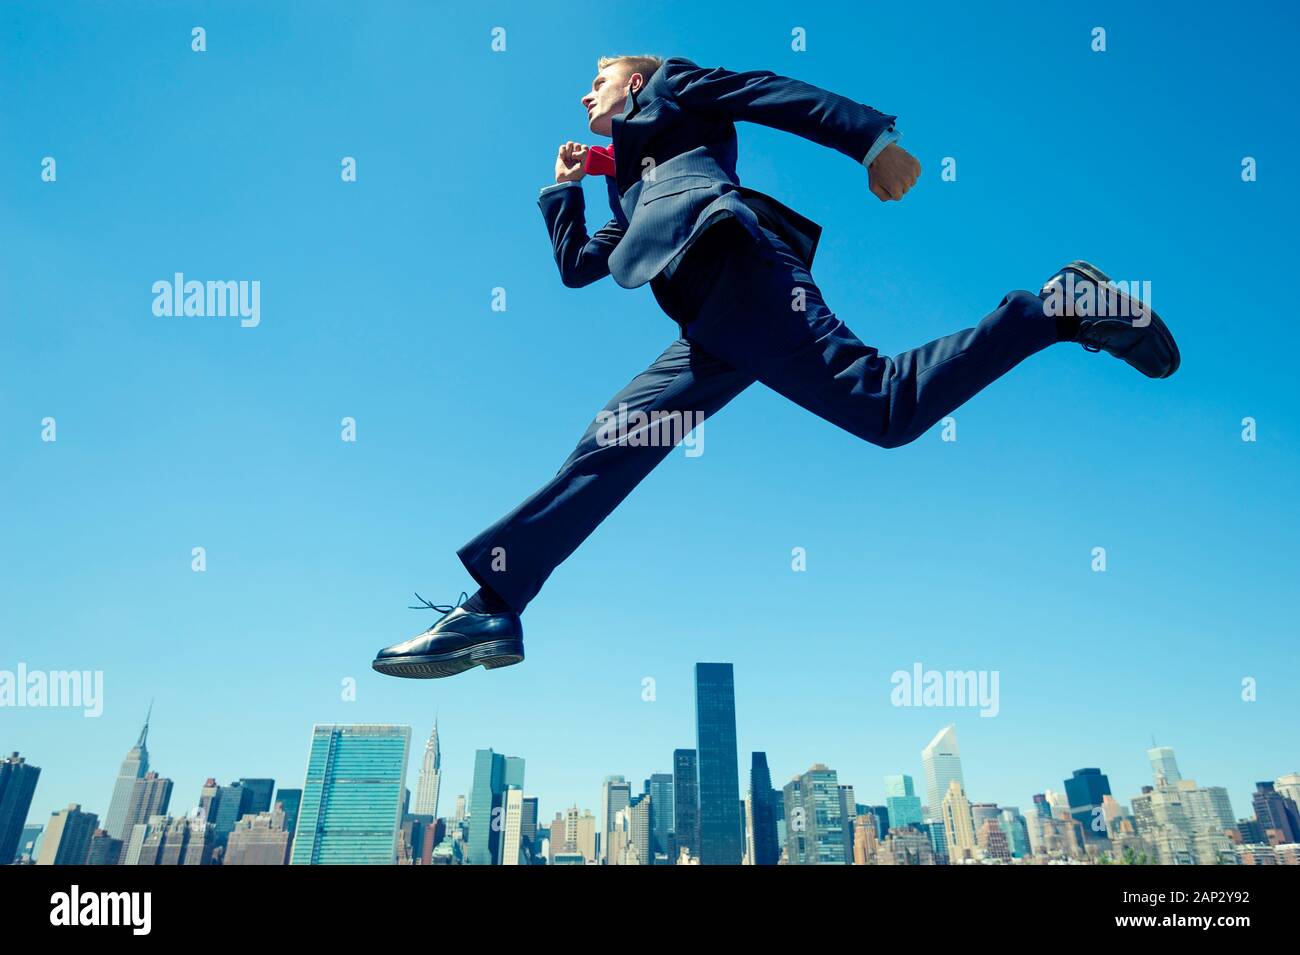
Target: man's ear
x,y
635,82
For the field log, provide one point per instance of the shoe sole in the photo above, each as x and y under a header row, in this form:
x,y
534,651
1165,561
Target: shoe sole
x,y
432,666
1097,275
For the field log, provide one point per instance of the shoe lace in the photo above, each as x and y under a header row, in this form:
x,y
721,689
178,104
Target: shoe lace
x,y
440,608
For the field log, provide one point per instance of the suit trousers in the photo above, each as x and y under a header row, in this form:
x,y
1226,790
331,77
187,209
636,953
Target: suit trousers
x,y
750,311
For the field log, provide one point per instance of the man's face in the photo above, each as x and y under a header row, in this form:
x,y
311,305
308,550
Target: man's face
x,y
608,97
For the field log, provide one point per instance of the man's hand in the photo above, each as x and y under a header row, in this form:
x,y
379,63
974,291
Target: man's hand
x,y
893,172
570,162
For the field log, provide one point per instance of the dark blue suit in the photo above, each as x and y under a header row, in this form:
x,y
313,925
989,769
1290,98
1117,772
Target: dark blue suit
x,y
731,266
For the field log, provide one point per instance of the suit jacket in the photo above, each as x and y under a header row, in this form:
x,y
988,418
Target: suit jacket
x,y
675,159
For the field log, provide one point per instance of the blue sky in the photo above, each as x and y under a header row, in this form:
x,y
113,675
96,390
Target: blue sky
x,y
376,304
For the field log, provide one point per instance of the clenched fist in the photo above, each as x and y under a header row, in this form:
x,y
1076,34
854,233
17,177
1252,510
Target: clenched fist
x,y
570,162
893,172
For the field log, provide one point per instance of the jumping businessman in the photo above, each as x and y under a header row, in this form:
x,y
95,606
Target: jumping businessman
x,y
731,267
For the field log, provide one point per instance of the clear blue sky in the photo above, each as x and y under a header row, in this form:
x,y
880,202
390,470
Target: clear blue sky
x,y
175,433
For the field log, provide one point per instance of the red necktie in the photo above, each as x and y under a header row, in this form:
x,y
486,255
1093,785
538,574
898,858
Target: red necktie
x,y
600,161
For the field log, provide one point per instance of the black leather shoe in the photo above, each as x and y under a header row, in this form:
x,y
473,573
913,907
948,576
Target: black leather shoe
x,y
458,641
1111,320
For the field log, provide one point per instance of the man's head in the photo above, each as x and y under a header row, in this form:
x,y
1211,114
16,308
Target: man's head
x,y
616,77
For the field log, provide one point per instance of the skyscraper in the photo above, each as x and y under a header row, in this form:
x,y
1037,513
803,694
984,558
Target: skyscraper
x,y
134,766
721,836
430,780
291,800
1164,768
765,809
958,823
823,817
351,808
528,830
485,797
511,841
150,797
259,794
1085,791
17,786
796,821
67,837
660,788
1276,811
616,795
941,761
686,803
901,800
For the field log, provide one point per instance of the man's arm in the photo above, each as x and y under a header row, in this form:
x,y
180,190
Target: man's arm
x,y
761,96
582,259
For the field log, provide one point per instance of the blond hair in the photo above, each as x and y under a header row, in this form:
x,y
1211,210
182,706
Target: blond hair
x,y
645,64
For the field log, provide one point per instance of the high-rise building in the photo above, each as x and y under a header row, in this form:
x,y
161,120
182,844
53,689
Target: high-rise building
x,y
823,818
941,761
511,841
686,802
351,808
616,795
103,849
721,834
67,837
485,802
992,841
640,822
1289,786
1086,790
1275,811
901,800
958,824
150,797
430,781
259,792
796,822
290,800
134,766
29,843
660,788
17,786
226,805
186,840
1017,833
528,830
765,809
848,813
1164,768
259,839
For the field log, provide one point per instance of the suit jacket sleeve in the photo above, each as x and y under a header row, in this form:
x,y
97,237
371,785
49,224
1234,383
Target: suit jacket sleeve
x,y
582,259
761,96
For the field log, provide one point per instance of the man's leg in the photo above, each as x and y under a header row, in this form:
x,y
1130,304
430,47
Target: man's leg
x,y
745,315
515,555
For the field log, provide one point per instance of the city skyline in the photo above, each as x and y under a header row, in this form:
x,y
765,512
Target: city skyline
x,y
176,433
505,774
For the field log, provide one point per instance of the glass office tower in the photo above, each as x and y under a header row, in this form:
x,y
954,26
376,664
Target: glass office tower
x,y
721,837
351,809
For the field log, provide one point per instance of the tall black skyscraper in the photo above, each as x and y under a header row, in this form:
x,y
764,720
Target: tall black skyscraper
x,y
17,784
765,807
686,803
1085,790
721,837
